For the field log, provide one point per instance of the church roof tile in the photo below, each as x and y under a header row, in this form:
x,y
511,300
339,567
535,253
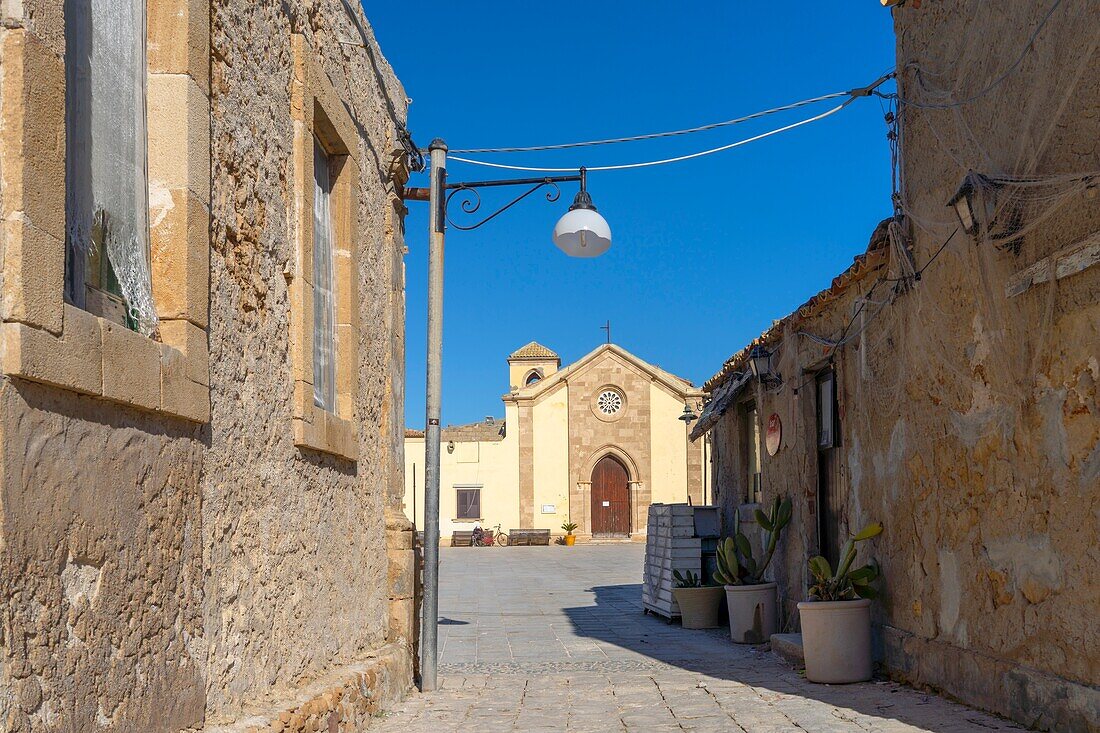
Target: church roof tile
x,y
533,350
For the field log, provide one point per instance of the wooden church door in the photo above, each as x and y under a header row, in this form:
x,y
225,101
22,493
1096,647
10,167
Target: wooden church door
x,y
610,498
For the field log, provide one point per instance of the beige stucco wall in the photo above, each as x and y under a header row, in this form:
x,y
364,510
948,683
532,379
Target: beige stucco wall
x,y
520,369
492,465
550,423
671,450
970,417
166,574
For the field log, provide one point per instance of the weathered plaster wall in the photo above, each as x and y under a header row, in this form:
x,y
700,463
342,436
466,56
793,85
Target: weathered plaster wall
x,y
970,418
295,540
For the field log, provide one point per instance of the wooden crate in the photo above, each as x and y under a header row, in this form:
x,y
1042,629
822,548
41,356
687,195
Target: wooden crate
x,y
671,544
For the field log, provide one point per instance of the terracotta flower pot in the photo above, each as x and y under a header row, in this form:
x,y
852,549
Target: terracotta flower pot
x,y
570,540
698,606
752,612
836,640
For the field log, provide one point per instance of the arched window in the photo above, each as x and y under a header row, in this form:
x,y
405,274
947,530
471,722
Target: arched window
x,y
532,378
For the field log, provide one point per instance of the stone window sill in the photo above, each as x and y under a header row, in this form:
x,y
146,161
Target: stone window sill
x,y
97,357
468,521
319,430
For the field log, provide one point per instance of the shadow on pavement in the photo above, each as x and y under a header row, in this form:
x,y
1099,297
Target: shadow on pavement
x,y
618,624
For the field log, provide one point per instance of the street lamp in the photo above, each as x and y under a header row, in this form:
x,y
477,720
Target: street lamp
x,y
582,232
976,192
688,416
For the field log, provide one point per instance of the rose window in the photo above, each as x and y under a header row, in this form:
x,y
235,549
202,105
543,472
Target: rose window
x,y
609,402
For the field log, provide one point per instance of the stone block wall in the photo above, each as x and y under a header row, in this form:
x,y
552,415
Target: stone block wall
x,y
625,435
170,558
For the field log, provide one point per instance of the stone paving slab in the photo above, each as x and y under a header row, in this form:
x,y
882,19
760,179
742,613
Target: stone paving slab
x,y
554,639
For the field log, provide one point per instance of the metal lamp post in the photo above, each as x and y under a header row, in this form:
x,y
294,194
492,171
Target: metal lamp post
x,y
581,232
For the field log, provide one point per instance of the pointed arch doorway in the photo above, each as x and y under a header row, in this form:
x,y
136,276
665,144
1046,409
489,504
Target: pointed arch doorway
x,y
610,498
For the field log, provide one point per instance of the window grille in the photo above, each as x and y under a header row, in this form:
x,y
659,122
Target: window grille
x,y
324,277
609,402
107,267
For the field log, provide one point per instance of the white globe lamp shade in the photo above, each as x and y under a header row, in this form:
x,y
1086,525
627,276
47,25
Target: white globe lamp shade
x,y
582,232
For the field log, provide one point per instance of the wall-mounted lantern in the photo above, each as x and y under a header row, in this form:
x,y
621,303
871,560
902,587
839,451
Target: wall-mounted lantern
x,y
450,446
966,201
760,362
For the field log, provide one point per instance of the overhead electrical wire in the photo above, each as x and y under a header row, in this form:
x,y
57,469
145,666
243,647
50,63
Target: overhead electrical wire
x,y
656,135
851,96
662,161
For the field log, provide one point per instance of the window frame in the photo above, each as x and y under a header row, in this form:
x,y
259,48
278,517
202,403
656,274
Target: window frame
x,y
320,116
459,489
827,379
52,342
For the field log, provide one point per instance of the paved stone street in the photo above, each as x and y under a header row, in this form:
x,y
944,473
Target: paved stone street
x,y
554,639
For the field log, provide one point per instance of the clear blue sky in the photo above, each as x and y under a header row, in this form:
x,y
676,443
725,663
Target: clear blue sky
x,y
706,253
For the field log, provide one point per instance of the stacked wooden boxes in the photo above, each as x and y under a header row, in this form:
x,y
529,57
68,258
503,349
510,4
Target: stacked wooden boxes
x,y
672,543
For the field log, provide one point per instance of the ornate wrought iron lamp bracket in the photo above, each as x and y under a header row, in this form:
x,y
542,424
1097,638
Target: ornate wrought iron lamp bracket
x,y
470,201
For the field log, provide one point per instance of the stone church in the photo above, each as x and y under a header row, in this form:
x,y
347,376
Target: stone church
x,y
594,443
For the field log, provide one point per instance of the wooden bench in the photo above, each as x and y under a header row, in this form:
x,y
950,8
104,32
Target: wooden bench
x,y
462,539
528,537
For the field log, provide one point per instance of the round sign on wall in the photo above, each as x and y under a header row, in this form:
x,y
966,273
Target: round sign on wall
x,y
774,435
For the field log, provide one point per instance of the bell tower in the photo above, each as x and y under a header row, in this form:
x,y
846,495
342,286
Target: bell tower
x,y
529,364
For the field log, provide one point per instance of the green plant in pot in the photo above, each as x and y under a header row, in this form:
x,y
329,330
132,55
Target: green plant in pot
x,y
698,601
751,599
836,620
570,538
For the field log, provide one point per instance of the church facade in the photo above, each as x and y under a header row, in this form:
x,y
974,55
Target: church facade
x,y
594,443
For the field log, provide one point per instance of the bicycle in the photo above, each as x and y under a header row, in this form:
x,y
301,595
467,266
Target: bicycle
x,y
493,538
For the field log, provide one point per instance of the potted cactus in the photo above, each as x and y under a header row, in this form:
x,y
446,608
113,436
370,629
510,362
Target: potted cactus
x,y
836,620
750,598
698,601
570,539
